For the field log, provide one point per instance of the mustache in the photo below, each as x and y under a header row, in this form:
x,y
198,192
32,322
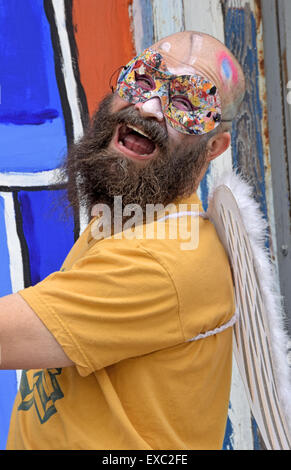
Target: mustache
x,y
150,126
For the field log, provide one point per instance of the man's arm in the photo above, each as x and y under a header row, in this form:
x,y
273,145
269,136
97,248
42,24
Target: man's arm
x,y
25,342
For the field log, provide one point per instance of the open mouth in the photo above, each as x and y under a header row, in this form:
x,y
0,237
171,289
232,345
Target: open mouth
x,y
134,142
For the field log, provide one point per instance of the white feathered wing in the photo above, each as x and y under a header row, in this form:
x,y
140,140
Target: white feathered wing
x,y
260,339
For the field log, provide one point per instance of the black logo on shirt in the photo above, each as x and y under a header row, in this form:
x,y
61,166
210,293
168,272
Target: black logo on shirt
x,y
41,390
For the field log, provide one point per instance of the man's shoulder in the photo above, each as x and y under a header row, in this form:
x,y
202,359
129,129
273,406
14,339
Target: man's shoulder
x,y
180,243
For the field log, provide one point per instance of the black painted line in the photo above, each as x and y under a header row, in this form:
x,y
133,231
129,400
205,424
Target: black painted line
x,y
10,189
22,241
82,99
58,58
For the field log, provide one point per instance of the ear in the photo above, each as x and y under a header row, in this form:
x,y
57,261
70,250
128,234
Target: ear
x,y
218,144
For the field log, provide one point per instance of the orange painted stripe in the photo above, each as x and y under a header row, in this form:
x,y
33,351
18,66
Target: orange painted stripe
x,y
104,41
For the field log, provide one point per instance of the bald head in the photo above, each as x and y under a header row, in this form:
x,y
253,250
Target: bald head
x,y
198,53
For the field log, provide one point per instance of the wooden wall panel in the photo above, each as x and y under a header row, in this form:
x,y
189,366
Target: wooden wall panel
x,y
168,17
142,17
277,25
206,16
247,142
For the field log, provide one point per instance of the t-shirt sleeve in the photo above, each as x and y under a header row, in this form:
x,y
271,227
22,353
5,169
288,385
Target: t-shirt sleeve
x,y
115,303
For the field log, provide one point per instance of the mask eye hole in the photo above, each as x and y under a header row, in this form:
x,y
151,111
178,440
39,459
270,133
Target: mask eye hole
x,y
182,103
145,82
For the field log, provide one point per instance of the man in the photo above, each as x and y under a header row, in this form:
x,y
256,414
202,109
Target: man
x,y
129,346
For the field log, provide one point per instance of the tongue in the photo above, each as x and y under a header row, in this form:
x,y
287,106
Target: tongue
x,y
139,144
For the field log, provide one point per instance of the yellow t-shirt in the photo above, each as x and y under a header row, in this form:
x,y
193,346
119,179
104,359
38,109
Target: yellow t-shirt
x,y
124,312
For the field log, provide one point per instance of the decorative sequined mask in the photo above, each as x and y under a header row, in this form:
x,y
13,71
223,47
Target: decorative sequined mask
x,y
190,103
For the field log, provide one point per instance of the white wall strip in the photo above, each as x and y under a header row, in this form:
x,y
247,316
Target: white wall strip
x,y
43,178
239,413
206,16
168,17
13,243
18,377
14,250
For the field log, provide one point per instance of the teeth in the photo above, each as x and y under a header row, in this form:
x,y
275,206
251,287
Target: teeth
x,y
137,130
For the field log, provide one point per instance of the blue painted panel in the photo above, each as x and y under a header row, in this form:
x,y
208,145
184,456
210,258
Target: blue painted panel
x,y
49,238
227,443
31,148
8,390
147,23
205,190
255,429
30,111
8,384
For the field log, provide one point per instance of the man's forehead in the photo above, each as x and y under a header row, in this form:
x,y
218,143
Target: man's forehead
x,y
192,53
199,53
179,52
165,64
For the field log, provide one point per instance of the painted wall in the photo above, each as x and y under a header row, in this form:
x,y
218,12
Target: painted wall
x,y
57,57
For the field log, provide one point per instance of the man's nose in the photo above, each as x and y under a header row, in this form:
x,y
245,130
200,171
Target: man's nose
x,y
151,109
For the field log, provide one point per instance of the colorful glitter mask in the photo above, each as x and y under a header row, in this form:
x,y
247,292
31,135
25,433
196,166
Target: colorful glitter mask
x,y
190,103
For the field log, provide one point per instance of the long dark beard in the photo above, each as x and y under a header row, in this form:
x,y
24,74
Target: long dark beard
x,y
95,175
